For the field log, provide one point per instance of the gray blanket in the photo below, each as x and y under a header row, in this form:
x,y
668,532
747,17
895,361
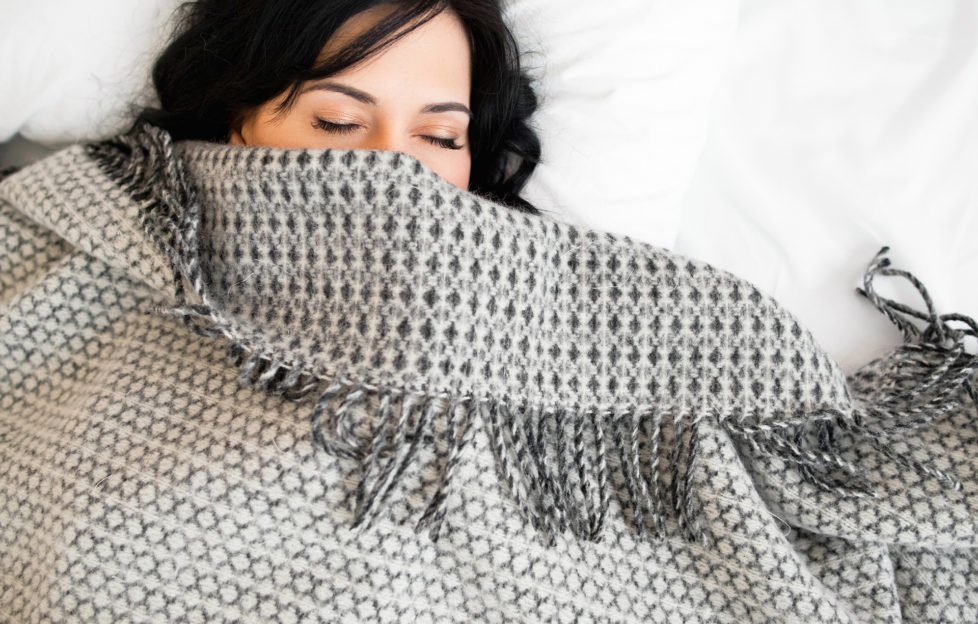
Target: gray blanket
x,y
243,383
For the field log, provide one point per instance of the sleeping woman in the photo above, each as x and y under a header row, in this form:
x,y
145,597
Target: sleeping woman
x,y
293,348
439,80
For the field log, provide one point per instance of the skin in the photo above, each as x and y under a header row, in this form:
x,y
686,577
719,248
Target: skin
x,y
419,89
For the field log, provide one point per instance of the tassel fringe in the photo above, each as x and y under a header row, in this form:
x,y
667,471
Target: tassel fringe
x,y
537,448
911,387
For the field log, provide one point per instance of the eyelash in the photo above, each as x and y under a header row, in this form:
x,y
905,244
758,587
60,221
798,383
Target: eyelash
x,y
336,128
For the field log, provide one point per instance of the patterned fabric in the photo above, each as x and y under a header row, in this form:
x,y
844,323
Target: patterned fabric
x,y
243,383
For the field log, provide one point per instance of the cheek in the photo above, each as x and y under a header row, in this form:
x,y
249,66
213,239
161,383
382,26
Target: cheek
x,y
456,170
465,169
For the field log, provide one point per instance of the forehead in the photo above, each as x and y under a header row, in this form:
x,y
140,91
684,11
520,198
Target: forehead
x,y
433,57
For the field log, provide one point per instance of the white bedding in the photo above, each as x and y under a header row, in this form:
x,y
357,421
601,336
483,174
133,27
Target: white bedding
x,y
838,126
841,126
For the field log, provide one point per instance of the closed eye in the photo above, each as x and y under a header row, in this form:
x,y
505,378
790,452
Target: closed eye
x,y
338,128
446,143
335,128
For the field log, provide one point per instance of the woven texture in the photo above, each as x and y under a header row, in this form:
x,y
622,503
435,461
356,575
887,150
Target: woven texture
x,y
255,384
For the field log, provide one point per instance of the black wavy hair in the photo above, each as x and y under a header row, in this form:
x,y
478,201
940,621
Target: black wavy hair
x,y
227,57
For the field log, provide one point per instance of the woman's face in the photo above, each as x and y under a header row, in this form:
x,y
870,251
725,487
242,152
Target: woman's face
x,y
412,98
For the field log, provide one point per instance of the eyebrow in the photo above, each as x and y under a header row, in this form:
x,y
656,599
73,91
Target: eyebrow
x,y
366,98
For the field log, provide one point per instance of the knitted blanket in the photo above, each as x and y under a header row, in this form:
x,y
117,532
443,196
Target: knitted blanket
x,y
244,383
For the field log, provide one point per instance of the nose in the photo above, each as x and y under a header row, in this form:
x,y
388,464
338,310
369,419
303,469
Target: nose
x,y
382,140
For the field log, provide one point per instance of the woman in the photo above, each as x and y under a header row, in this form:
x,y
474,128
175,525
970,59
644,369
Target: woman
x,y
437,79
436,408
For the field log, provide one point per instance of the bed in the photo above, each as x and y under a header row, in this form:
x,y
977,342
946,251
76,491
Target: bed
x,y
786,141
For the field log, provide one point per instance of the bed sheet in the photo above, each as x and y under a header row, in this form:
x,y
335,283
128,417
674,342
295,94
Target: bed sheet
x,y
841,126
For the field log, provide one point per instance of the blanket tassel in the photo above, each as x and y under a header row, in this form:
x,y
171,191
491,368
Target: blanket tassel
x,y
535,450
910,387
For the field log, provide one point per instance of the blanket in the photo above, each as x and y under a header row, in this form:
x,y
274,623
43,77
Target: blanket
x,y
244,383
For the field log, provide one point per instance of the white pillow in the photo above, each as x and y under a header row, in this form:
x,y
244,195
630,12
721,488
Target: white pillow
x,y
625,87
69,69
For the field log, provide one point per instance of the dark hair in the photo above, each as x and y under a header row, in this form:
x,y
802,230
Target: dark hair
x,y
230,56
